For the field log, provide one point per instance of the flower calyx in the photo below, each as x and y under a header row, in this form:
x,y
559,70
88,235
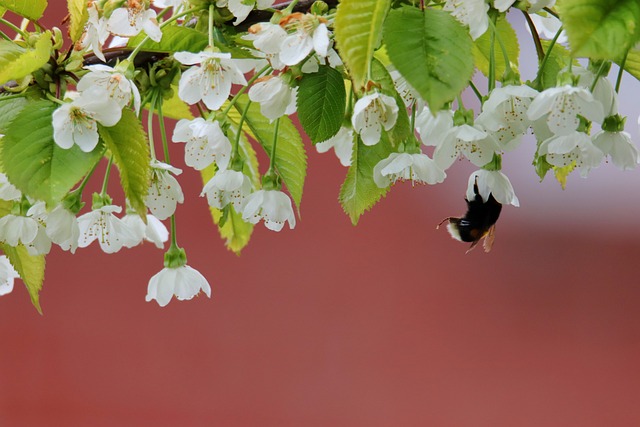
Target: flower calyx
x,y
175,257
614,123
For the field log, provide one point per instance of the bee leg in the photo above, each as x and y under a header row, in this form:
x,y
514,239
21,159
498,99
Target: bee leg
x,y
448,219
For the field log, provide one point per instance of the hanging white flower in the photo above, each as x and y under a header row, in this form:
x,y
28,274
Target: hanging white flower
x,y
226,187
41,244
531,6
505,114
603,91
153,231
76,122
275,96
7,275
405,90
468,141
618,145
273,206
119,88
16,229
184,282
561,106
62,228
102,225
342,144
433,129
7,190
371,113
472,13
492,182
177,5
132,18
564,150
266,37
241,8
164,190
95,32
307,33
210,81
205,143
417,167
548,26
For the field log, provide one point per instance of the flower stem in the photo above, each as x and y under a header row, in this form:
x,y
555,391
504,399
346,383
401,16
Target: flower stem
x,y
597,76
535,36
211,8
492,62
174,237
105,182
272,157
236,144
475,90
545,59
621,70
163,133
18,30
507,63
243,89
152,149
54,99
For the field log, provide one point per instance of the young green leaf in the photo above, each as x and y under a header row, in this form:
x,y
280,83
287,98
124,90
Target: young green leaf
x,y
321,103
431,50
482,48
78,17
291,159
17,62
602,29
127,142
30,9
174,39
631,64
34,163
559,58
359,192
30,268
358,26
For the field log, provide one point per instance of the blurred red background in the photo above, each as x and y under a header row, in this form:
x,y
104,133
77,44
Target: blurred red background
x,y
385,324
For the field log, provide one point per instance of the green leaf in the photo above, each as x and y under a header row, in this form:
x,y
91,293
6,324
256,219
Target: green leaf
x,y
402,129
358,26
291,159
431,50
174,39
234,230
601,29
562,173
30,9
34,163
482,49
175,108
78,17
127,142
359,192
30,268
321,103
17,62
9,109
632,63
559,58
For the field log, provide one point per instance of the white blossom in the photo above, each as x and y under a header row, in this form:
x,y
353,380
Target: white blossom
x,y
472,13
492,182
273,206
164,190
153,231
371,113
62,228
505,114
16,229
211,81
7,190
561,105
434,129
7,275
266,37
75,122
95,32
342,144
102,225
129,20
184,282
41,244
241,8
468,141
275,96
603,91
548,26
177,5
618,145
119,88
226,187
564,150
205,143
306,33
417,167
531,6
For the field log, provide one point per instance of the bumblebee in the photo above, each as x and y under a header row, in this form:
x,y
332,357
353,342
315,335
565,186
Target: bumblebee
x,y
479,221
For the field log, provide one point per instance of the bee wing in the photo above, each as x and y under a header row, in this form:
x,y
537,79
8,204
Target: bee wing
x,y
473,245
489,238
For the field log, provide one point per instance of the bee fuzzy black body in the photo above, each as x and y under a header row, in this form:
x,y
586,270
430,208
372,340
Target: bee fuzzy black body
x,y
479,221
